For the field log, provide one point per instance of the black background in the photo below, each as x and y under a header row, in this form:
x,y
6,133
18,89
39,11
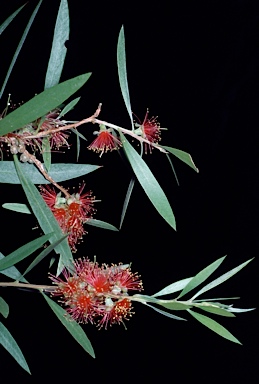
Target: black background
x,y
195,65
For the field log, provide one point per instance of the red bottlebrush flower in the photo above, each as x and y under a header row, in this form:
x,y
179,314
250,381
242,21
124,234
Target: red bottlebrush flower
x,y
105,141
149,130
70,213
96,293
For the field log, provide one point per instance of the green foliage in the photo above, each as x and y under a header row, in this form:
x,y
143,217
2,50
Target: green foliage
x,y
8,342
41,104
73,328
59,172
149,183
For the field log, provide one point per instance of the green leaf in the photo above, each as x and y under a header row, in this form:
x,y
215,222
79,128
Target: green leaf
x,y
46,219
172,166
174,305
8,342
221,279
43,254
4,307
101,224
17,207
174,287
68,107
46,153
73,328
167,314
23,252
127,198
41,104
122,71
214,326
58,50
25,33
10,19
201,276
149,183
12,272
184,156
214,309
59,172
240,310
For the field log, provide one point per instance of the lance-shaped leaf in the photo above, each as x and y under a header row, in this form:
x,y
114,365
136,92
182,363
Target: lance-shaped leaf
x,y
214,326
213,308
127,199
68,107
12,272
43,254
73,328
221,279
101,224
201,276
149,183
174,287
4,307
59,172
167,314
175,305
41,104
10,19
17,207
121,62
8,342
46,219
184,156
24,251
24,35
58,50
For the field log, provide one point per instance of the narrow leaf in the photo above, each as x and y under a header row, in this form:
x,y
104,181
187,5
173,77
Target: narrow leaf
x,y
175,175
58,50
41,104
214,326
149,183
10,19
46,153
43,254
59,172
101,224
4,307
127,199
184,156
214,309
174,287
68,107
121,62
46,219
174,305
167,314
73,328
24,35
12,272
221,279
202,276
240,310
17,207
8,342
24,251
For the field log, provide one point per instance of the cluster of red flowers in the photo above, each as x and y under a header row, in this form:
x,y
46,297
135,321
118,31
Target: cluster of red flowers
x,y
107,141
97,294
71,213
